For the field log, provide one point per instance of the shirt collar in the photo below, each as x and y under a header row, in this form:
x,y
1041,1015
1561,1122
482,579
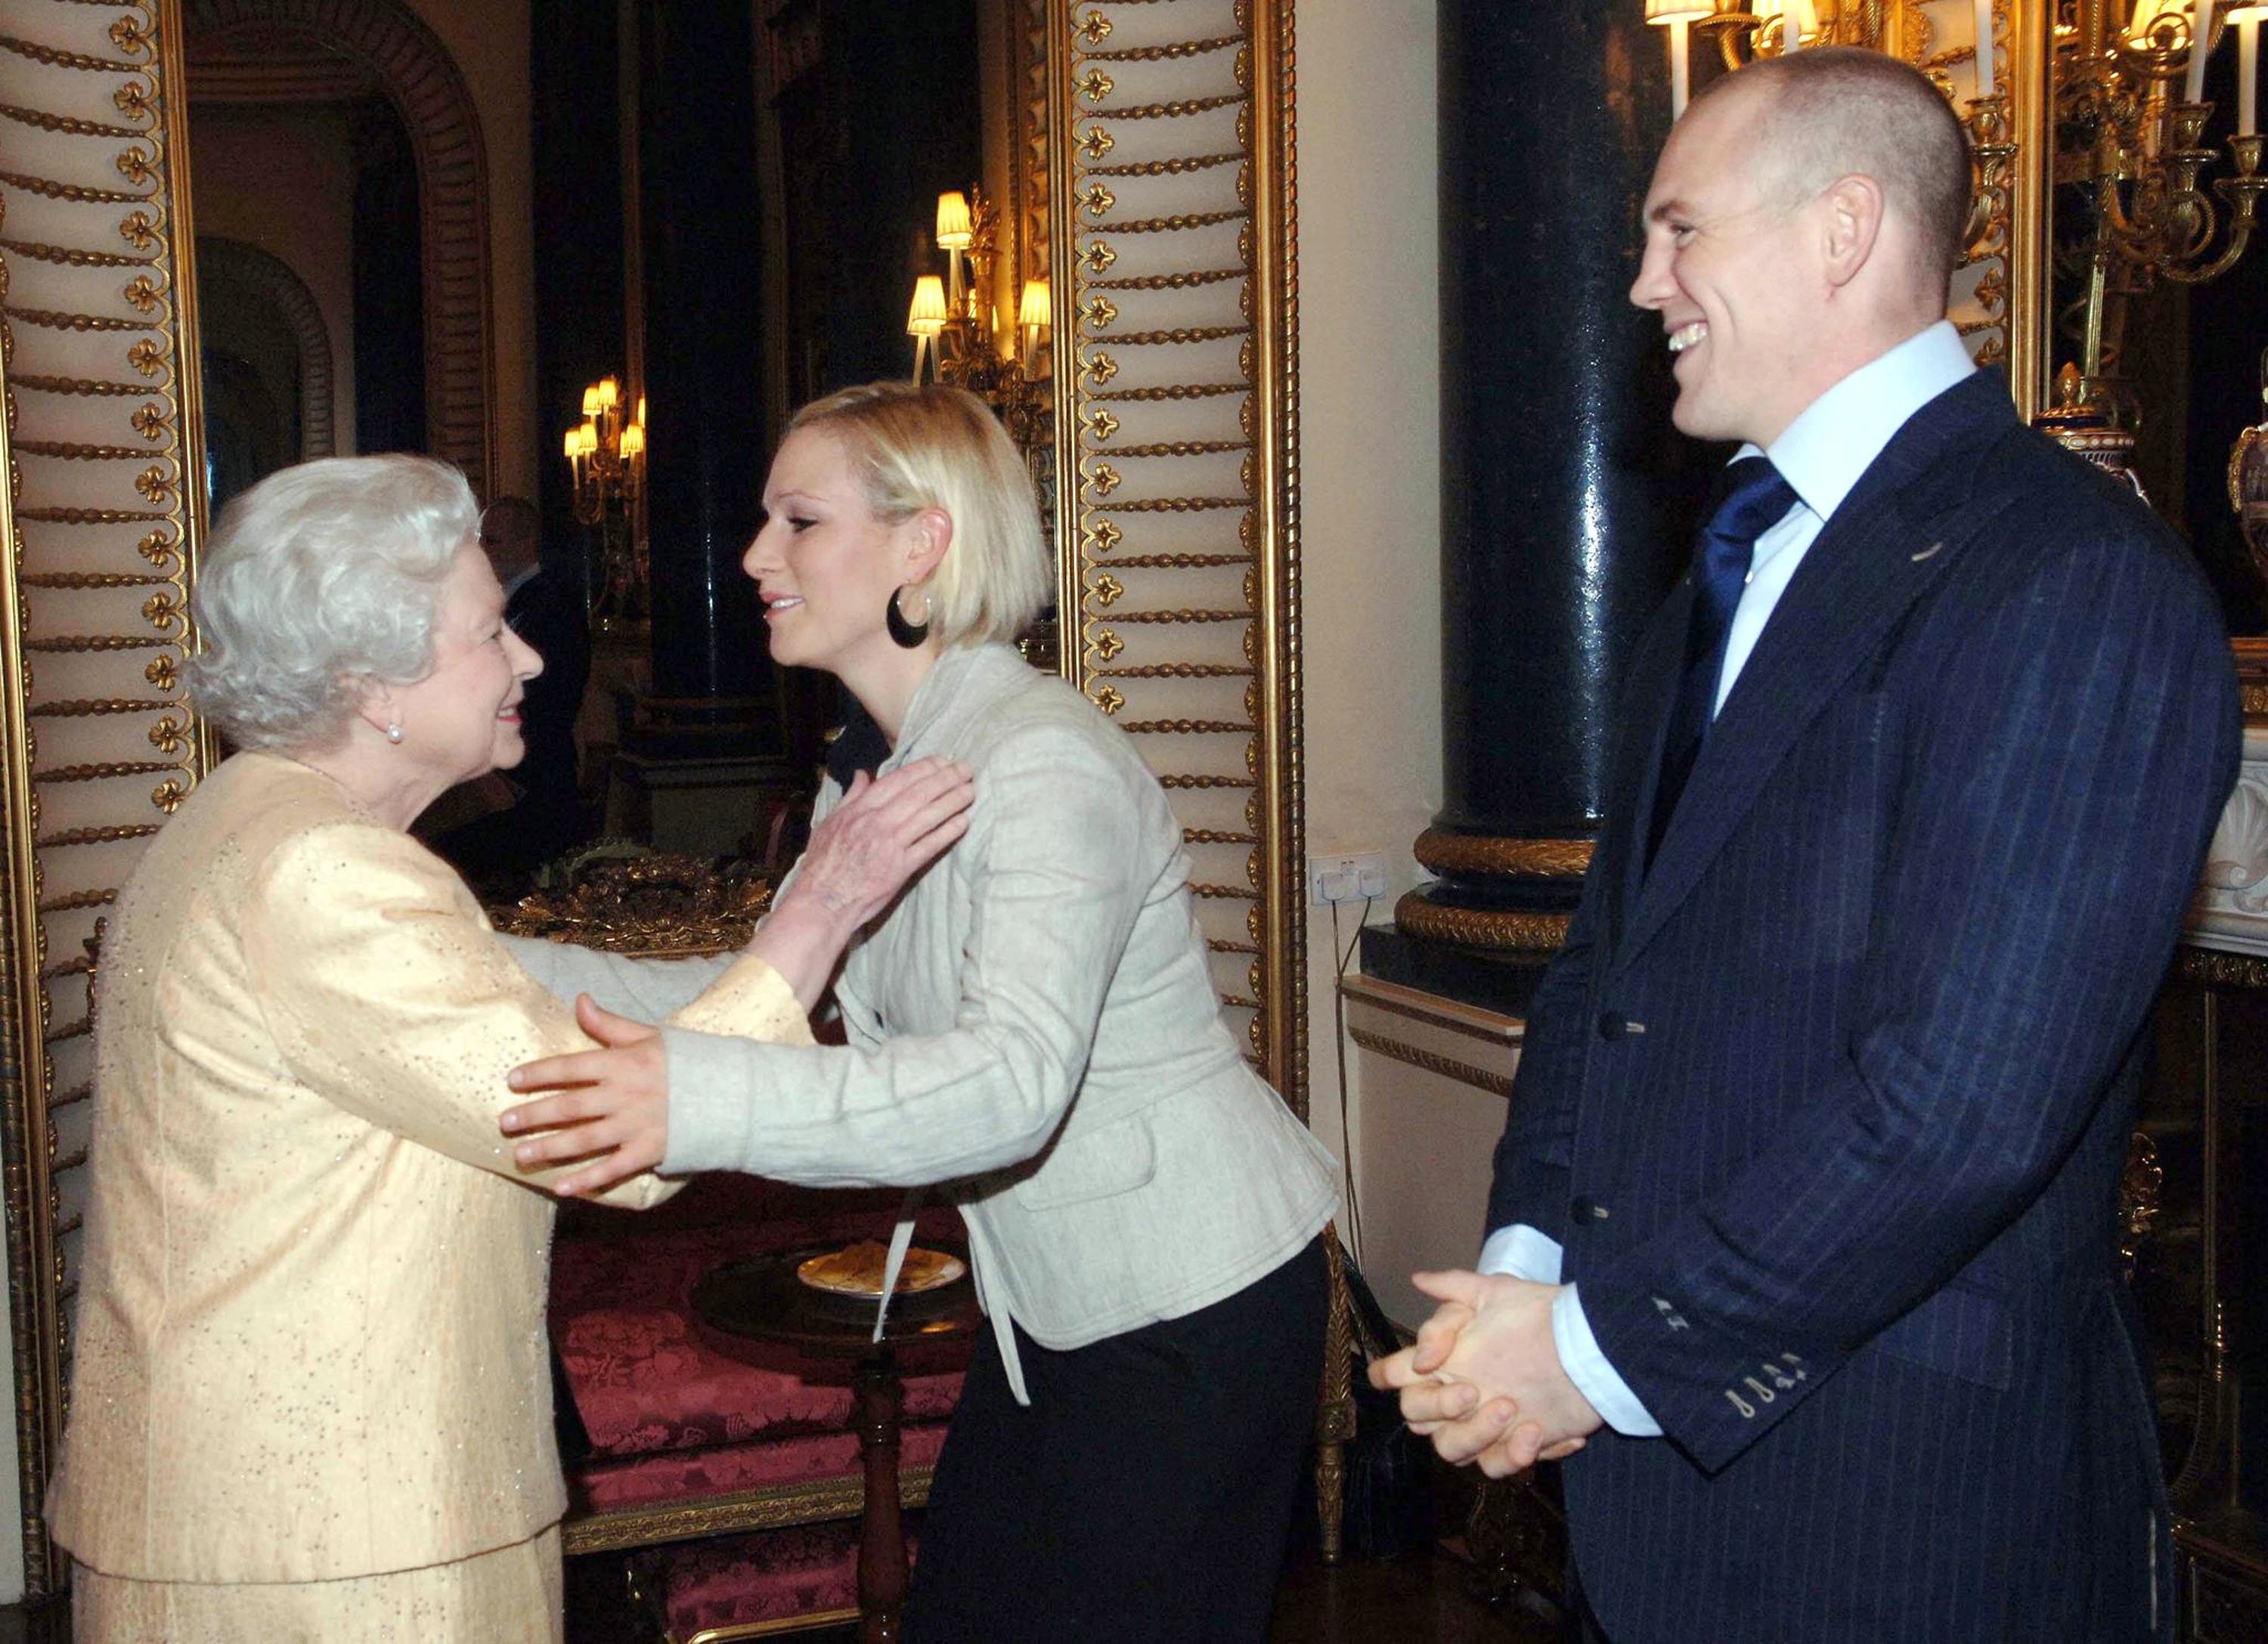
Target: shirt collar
x,y
1823,453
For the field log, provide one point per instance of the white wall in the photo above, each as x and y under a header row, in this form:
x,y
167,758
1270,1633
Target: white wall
x,y
489,39
1370,468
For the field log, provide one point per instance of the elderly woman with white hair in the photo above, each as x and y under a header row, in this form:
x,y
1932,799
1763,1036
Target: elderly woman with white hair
x,y
310,1397
1033,1025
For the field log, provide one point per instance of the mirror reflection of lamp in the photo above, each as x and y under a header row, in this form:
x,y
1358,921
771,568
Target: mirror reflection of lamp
x,y
1034,313
605,452
926,320
1678,16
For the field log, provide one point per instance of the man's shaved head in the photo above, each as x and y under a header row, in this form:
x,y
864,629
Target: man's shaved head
x,y
1838,111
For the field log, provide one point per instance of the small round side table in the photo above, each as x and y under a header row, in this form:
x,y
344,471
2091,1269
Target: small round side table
x,y
758,1299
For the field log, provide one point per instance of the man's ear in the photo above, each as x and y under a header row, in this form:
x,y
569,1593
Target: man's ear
x,y
930,536
1850,227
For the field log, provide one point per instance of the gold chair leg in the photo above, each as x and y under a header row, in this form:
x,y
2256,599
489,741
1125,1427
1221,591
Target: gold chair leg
x,y
1335,1404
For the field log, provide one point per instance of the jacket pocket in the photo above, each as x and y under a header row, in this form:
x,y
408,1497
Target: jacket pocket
x,y
1115,1159
1961,1332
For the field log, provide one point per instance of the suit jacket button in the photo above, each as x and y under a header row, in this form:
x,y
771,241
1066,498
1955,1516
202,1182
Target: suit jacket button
x,y
1582,1208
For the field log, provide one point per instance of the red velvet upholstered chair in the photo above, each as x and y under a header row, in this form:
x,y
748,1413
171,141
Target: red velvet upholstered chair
x,y
688,1444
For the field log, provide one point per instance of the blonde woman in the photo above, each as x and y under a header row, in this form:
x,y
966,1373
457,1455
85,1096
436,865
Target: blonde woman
x,y
1034,1025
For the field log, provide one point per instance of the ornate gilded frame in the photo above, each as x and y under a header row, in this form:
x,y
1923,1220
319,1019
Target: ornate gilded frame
x,y
101,444
1174,258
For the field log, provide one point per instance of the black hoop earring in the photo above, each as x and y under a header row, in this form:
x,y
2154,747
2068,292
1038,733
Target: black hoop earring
x,y
909,634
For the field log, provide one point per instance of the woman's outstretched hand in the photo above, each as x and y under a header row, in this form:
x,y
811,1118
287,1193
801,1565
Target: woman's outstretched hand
x,y
883,834
612,1107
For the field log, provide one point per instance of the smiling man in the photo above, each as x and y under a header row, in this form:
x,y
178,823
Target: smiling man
x,y
1801,1248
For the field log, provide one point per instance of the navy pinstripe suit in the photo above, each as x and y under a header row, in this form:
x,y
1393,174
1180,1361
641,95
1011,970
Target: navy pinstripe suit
x,y
1827,1108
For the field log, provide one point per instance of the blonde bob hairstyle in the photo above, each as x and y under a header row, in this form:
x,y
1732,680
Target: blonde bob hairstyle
x,y
916,446
318,578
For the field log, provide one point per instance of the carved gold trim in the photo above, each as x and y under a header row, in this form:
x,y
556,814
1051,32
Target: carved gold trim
x,y
59,807
1477,927
51,57
2216,968
1443,852
1448,1068
1171,190
769,1508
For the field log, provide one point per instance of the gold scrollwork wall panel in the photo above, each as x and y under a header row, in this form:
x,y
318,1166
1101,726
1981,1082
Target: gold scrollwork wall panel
x,y
99,512
1171,208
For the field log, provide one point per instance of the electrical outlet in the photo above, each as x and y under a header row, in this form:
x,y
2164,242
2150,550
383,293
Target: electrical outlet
x,y
1350,877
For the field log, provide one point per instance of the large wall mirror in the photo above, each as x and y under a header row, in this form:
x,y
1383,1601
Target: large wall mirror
x,y
239,233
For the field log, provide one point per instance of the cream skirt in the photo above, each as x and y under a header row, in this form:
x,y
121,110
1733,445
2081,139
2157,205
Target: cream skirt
x,y
508,1596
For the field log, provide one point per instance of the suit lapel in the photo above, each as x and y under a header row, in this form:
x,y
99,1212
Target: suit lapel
x,y
1635,775
1898,531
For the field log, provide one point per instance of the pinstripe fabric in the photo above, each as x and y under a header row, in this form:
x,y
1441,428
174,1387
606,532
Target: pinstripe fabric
x,y
1888,973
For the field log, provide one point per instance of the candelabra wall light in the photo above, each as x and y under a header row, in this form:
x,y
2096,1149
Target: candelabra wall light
x,y
607,451
2131,118
957,335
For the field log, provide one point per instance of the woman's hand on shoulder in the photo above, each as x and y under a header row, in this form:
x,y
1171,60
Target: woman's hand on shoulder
x,y
883,834
885,831
611,1109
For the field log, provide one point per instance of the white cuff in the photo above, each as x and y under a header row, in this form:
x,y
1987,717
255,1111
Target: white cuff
x,y
1594,1378
1522,1252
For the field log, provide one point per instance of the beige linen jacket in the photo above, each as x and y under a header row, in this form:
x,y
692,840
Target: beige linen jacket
x,y
311,1325
1033,1022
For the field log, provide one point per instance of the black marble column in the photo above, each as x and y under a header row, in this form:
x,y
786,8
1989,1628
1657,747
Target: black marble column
x,y
707,446
574,110
1567,498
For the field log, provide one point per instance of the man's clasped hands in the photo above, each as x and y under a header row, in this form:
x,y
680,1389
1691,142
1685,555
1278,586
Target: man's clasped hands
x,y
1484,1380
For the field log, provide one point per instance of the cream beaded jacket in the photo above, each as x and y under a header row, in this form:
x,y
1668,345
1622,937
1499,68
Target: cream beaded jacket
x,y
311,1326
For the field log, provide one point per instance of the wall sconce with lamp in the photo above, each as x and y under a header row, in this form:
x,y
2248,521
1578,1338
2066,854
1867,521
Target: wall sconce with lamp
x,y
955,325
606,452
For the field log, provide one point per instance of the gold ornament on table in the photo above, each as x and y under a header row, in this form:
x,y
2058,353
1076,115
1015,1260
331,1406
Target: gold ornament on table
x,y
625,899
607,451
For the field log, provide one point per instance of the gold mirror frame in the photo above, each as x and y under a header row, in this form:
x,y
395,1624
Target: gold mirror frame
x,y
1168,149
1173,249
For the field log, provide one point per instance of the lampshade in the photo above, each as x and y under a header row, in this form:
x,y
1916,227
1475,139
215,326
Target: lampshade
x,y
587,438
610,394
1036,308
1668,12
590,400
633,441
926,318
2251,13
953,232
641,415
2146,14
574,443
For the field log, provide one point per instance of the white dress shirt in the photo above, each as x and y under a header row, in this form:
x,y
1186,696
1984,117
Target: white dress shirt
x,y
1822,455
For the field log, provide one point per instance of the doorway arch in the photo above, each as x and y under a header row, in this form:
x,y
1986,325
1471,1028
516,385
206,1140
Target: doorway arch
x,y
395,48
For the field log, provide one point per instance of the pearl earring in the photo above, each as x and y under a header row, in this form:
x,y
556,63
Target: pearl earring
x,y
393,731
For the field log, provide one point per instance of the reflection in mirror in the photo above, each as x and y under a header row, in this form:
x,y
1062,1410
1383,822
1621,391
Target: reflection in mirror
x,y
434,226
2159,290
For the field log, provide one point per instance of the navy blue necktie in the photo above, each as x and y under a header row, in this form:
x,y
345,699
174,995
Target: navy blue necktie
x,y
1755,500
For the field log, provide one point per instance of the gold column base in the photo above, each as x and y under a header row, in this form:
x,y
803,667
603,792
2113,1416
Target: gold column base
x,y
1540,934
1480,856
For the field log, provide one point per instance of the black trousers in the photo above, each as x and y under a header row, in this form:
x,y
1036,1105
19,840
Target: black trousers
x,y
1144,1495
